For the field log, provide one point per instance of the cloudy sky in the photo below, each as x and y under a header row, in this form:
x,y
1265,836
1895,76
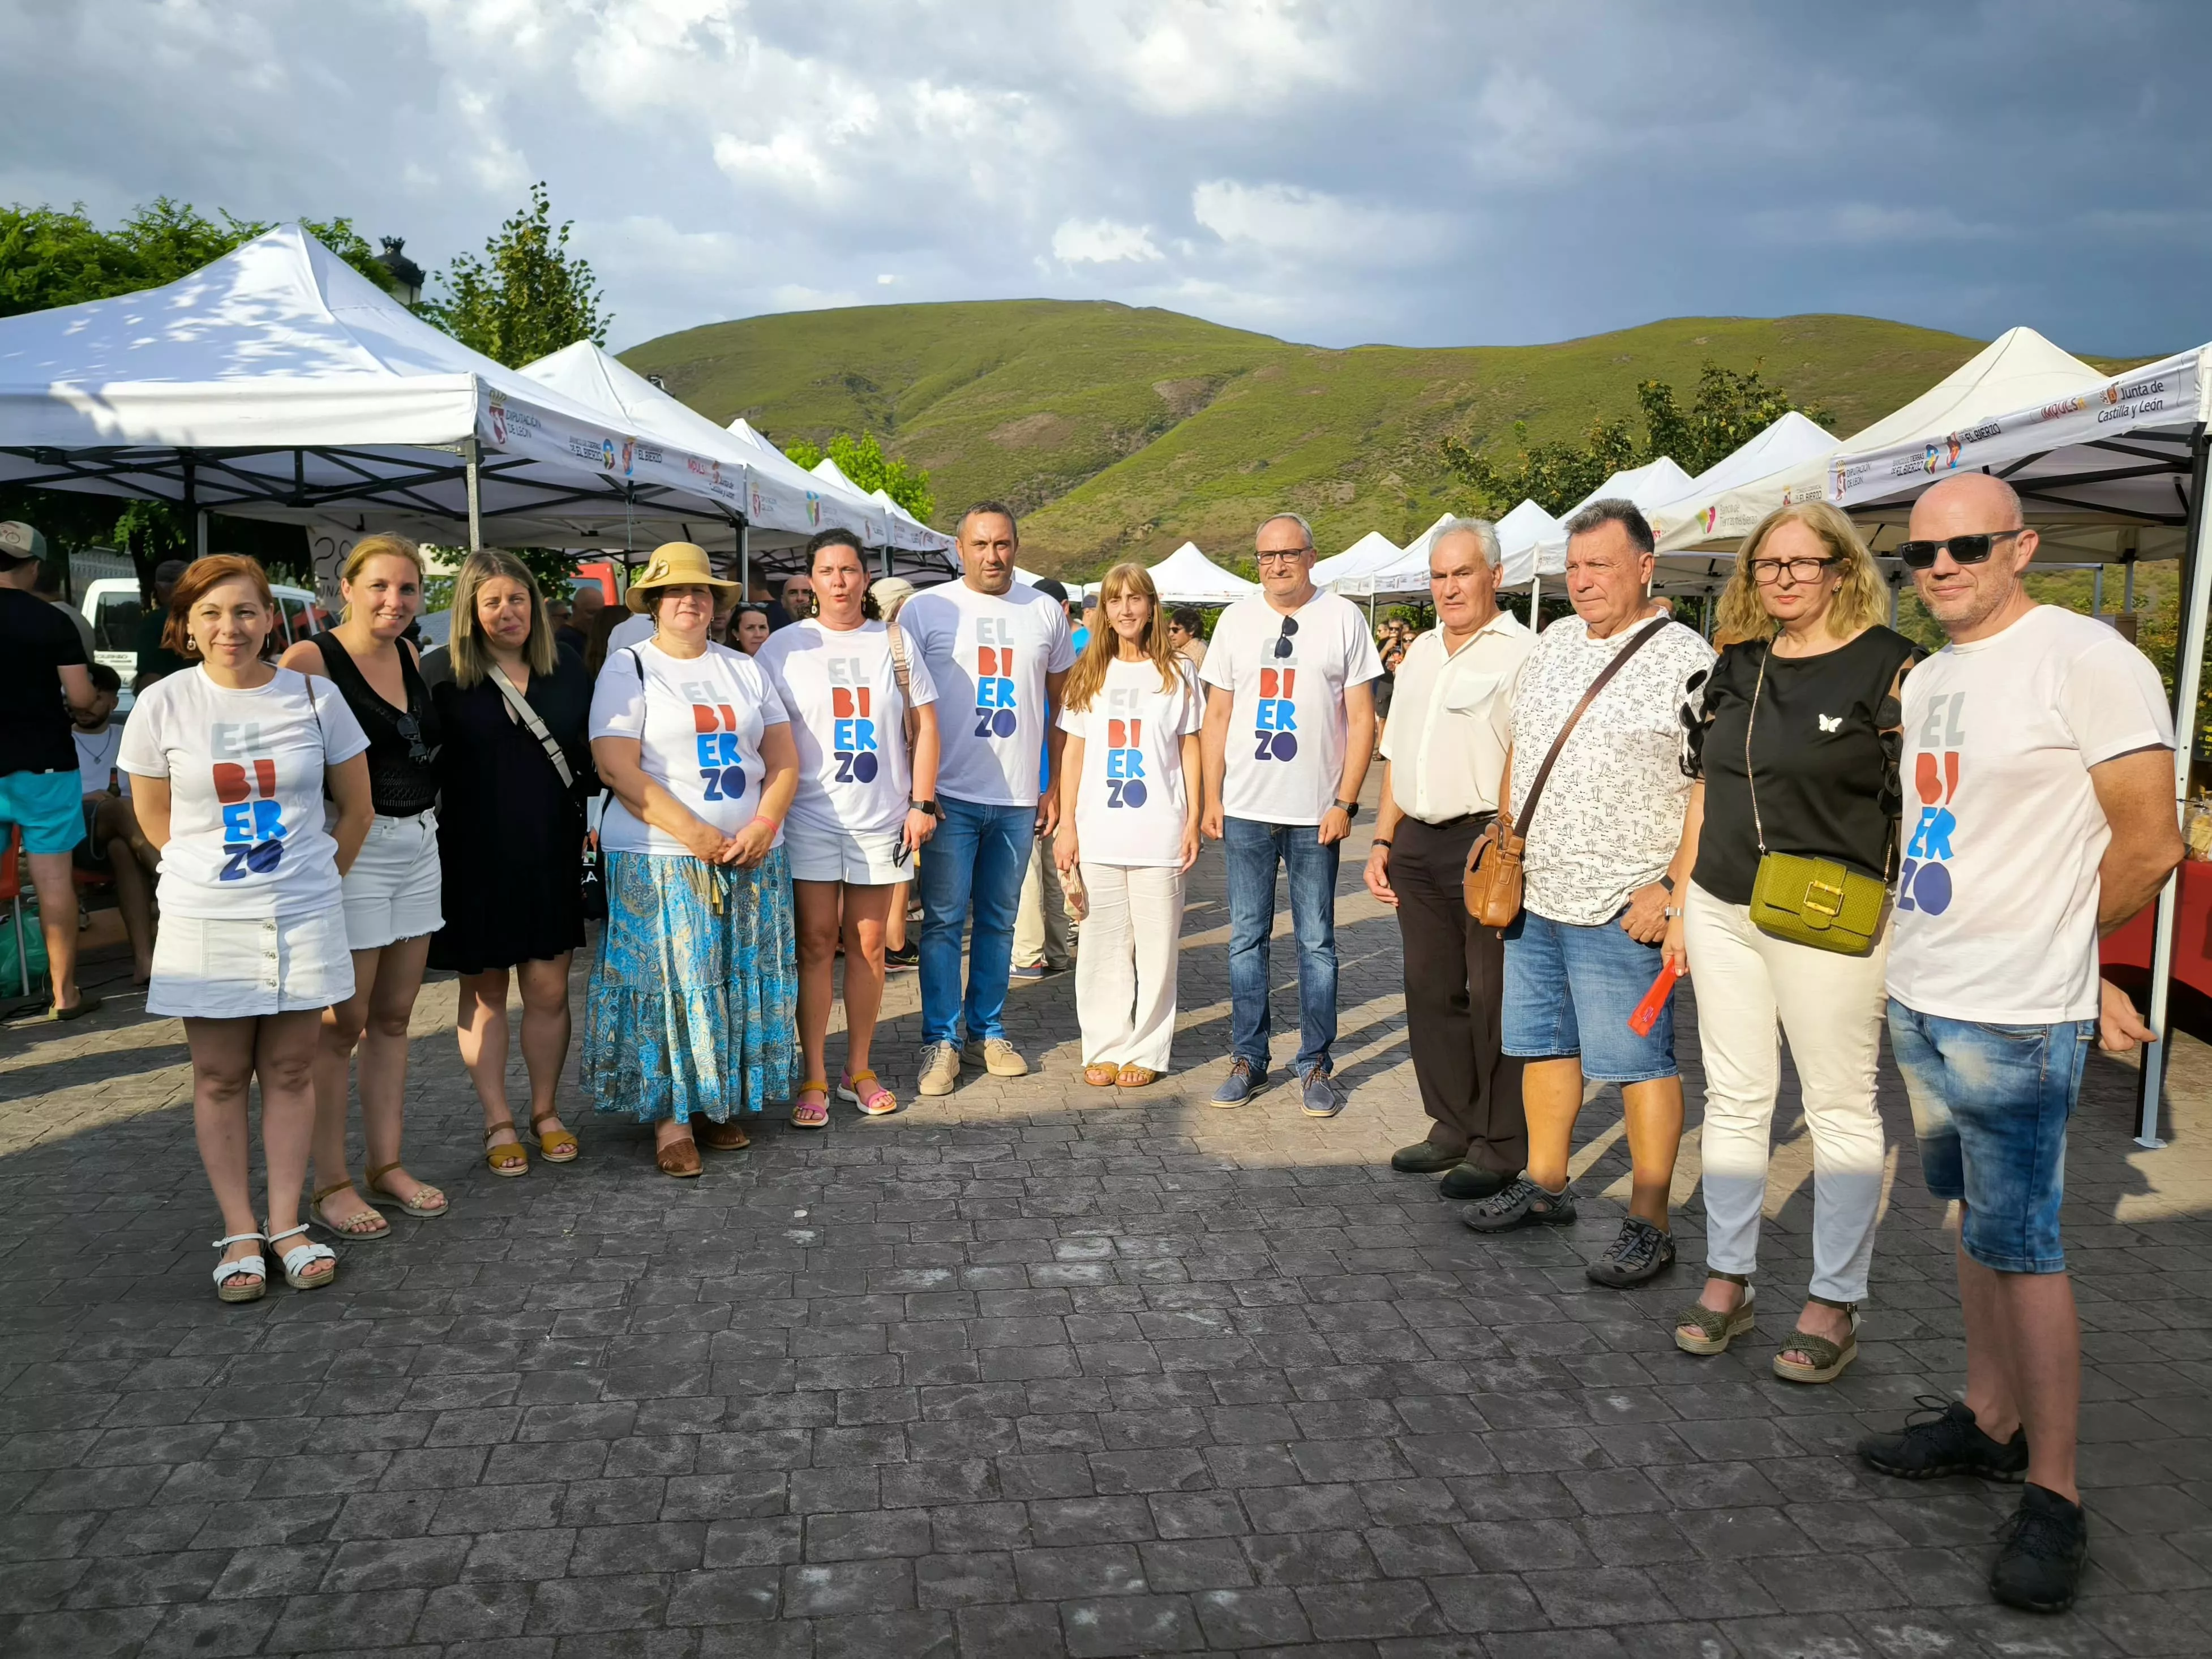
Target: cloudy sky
x,y
1420,171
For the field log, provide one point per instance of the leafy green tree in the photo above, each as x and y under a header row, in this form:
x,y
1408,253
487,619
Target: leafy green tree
x,y
51,256
862,460
1730,408
527,296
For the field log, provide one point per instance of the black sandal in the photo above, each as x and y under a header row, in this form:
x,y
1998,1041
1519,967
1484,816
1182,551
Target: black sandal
x,y
1828,1356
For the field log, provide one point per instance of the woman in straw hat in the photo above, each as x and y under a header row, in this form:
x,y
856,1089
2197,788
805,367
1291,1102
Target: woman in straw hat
x,y
689,1012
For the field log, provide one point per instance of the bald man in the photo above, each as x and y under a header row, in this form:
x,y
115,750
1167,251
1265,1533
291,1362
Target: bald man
x,y
2039,814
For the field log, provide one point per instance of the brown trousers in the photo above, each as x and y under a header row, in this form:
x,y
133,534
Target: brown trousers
x,y
1454,985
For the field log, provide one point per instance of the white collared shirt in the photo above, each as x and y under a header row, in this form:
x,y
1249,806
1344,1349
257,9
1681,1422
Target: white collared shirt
x,y
1451,720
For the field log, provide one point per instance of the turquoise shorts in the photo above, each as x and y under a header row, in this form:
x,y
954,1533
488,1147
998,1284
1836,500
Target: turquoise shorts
x,y
47,806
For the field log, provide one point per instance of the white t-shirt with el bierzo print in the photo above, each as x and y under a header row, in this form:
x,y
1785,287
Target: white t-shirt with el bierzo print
x,y
698,722
1131,805
848,722
1288,729
988,655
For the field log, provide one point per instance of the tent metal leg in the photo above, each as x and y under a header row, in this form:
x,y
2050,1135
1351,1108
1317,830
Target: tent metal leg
x,y
1535,593
1893,601
2128,587
2097,592
744,562
476,501
2196,605
199,534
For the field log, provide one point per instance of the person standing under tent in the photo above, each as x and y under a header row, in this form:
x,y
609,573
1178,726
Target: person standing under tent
x,y
998,652
2038,766
1185,631
1602,867
113,845
1129,797
863,807
511,841
392,887
1443,764
1290,729
45,678
689,1012
230,762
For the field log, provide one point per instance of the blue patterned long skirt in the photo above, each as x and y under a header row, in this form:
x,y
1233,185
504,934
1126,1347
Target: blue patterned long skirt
x,y
690,1012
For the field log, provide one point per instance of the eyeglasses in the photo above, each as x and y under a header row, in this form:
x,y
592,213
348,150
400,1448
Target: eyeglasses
x,y
1292,553
1767,572
1963,550
411,729
1282,639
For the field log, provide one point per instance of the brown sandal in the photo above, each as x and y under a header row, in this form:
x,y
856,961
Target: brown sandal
x,y
679,1158
723,1137
511,1159
414,1207
1099,1075
1136,1077
349,1229
558,1147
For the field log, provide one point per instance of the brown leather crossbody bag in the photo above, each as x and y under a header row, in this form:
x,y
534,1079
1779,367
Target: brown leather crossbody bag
x,y
1492,886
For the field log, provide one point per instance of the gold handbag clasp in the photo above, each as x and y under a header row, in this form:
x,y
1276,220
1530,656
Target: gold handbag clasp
x,y
1833,890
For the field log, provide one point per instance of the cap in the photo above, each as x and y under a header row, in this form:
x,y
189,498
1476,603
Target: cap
x,y
20,543
1052,589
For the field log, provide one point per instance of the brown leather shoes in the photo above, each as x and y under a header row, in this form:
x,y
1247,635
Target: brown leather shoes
x,y
677,1157
723,1137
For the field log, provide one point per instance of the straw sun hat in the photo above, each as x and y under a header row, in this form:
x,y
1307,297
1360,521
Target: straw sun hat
x,y
675,564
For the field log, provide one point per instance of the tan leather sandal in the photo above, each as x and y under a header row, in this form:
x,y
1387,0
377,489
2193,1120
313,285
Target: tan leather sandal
x,y
510,1158
1099,1075
1136,1077
359,1228
679,1158
558,1147
723,1137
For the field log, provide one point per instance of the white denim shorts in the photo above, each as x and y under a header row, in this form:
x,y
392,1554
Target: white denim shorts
x,y
245,967
859,860
394,890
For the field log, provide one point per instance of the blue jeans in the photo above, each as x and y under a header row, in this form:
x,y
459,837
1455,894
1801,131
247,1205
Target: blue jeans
x,y
1990,1104
1253,849
978,858
1569,992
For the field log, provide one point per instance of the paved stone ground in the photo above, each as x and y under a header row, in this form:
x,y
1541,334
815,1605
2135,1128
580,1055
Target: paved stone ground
x,y
1031,1371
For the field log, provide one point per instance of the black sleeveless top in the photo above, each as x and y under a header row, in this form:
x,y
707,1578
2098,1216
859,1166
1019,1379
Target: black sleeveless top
x,y
403,743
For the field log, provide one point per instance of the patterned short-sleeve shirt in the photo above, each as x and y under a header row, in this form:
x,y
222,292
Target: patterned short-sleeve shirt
x,y
1611,816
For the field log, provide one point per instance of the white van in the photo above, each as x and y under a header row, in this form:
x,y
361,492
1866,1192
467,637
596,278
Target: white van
x,y
112,606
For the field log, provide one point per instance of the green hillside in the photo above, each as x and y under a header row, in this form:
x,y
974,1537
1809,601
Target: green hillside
x,y
1119,431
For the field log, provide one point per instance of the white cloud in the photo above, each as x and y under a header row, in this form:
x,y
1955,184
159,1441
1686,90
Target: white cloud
x,y
1102,242
1286,219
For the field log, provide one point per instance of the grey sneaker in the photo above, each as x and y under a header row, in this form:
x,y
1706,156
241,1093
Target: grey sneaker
x,y
940,1068
999,1057
1641,1252
1522,1204
1323,1097
1244,1080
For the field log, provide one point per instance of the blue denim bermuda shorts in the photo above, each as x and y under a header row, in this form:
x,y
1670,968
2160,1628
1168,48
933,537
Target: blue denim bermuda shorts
x,y
1569,992
1990,1104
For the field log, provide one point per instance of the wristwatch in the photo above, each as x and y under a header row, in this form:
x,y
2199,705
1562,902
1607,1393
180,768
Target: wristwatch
x,y
1349,808
928,807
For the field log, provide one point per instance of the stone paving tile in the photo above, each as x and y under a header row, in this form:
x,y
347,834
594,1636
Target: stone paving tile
x,y
1035,1370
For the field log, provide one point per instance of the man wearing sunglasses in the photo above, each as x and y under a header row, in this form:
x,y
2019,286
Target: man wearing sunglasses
x,y
2039,815
1289,728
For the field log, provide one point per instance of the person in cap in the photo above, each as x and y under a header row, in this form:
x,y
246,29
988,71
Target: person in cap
x,y
45,676
688,1020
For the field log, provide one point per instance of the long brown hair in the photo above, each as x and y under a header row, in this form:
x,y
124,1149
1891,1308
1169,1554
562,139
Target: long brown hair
x,y
472,656
1860,602
1089,674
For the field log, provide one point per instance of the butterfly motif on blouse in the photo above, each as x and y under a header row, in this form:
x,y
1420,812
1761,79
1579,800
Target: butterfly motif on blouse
x,y
1832,722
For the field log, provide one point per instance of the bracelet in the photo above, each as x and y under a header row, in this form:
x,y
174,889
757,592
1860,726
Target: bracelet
x,y
774,825
1378,842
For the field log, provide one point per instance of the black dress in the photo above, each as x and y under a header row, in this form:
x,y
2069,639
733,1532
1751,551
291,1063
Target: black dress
x,y
509,834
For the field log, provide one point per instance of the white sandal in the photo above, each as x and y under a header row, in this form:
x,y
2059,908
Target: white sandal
x,y
301,1257
248,1268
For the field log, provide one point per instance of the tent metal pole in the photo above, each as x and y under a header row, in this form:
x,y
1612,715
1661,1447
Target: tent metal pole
x,y
745,561
475,499
2128,588
1535,593
1893,585
2195,601
2097,592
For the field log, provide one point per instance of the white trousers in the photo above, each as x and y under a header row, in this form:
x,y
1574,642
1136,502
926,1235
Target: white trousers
x,y
1125,970
1830,1006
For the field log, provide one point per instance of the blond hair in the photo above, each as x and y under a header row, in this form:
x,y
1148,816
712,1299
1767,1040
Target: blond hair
x,y
1085,680
1860,602
381,546
472,655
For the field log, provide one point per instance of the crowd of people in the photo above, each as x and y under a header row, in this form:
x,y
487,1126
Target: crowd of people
x,y
1825,829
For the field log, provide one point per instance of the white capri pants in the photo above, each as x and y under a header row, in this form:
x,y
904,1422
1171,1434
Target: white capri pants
x,y
1830,1006
1125,970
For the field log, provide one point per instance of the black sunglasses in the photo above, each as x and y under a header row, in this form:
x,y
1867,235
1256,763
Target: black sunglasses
x,y
1963,550
411,729
1282,639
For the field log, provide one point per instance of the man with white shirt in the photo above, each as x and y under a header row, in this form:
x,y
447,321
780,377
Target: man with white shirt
x,y
998,652
1289,728
2039,814
1444,759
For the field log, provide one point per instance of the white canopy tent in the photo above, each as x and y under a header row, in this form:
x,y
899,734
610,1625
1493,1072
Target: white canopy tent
x,y
280,383
910,535
1791,442
1342,571
2123,454
1187,576
833,506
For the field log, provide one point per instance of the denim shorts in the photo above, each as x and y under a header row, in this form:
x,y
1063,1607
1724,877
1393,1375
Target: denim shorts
x,y
1569,992
1990,1104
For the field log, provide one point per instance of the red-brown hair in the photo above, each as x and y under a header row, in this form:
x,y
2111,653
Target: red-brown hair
x,y
199,578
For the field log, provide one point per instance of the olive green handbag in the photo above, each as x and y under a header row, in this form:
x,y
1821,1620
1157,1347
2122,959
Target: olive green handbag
x,y
1815,902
